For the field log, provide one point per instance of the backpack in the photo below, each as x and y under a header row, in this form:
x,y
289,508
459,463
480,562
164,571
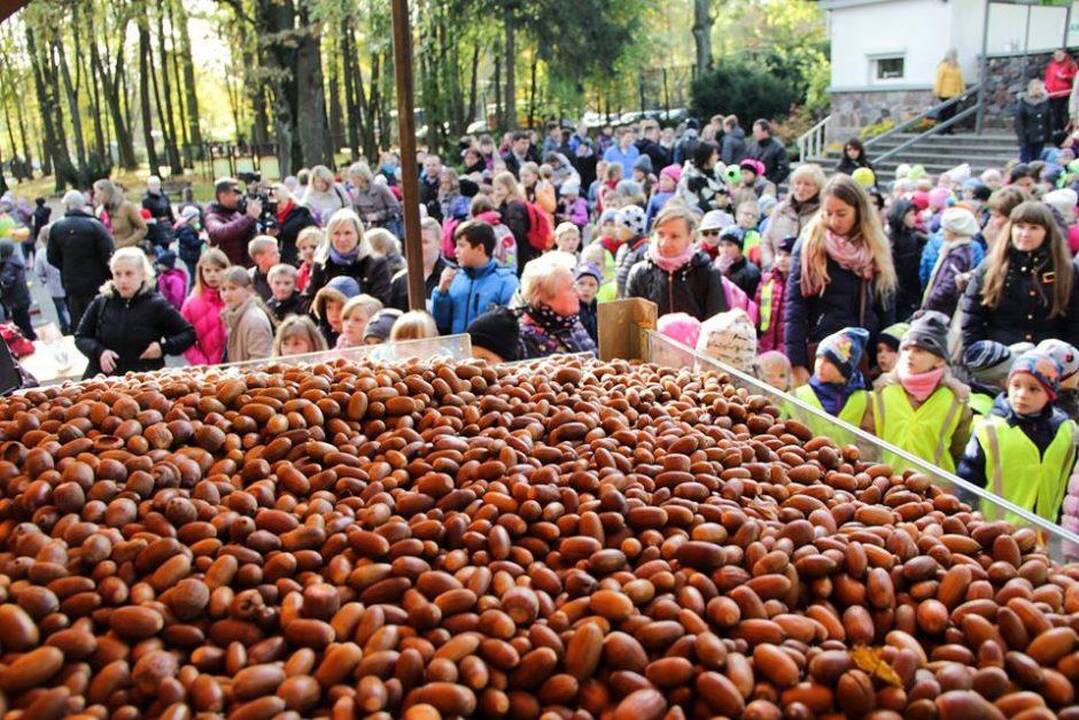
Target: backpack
x,y
540,232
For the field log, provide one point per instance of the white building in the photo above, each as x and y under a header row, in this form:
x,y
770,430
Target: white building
x,y
885,52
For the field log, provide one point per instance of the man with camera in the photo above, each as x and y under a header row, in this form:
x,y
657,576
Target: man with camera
x,y
229,223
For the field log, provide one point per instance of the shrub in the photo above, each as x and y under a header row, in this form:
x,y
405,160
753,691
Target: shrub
x,y
748,90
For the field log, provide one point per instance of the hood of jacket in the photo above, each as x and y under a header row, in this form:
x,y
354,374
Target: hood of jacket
x,y
896,214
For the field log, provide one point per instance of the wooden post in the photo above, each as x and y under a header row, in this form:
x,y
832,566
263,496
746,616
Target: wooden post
x,y
410,181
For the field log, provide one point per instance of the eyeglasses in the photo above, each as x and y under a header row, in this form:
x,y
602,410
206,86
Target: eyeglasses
x,y
710,233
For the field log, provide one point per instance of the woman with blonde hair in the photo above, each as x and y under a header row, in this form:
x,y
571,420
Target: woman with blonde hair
x,y
1025,289
550,320
323,198
373,201
119,215
947,84
509,197
129,326
791,215
344,252
841,274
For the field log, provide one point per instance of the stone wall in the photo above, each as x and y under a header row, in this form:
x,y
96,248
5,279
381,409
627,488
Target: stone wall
x,y
852,111
1008,77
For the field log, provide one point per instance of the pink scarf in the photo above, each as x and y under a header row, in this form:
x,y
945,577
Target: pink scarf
x,y
670,264
921,385
851,254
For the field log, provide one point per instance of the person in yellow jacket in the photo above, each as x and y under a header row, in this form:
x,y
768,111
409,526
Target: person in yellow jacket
x,y
947,84
920,406
1024,449
837,386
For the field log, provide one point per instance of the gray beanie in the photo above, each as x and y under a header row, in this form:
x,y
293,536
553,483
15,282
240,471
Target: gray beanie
x,y
928,331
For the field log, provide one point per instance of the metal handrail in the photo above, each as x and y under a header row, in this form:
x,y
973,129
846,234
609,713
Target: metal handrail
x,y
936,128
812,140
924,114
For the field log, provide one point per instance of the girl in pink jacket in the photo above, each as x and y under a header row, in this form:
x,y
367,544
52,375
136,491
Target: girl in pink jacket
x,y
203,309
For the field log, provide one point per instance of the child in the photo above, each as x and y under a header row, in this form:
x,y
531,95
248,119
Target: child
x,y
263,251
382,242
247,319
956,257
567,238
203,308
380,326
748,216
888,347
505,243
171,280
920,406
298,335
680,327
49,275
465,294
712,225
495,336
329,303
733,263
307,243
837,386
987,364
1067,357
14,292
42,213
587,280
414,325
668,186
355,315
596,254
771,298
775,369
572,208
752,184
1026,453
284,299
633,243
189,239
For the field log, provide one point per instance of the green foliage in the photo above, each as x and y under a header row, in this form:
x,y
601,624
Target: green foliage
x,y
879,128
749,89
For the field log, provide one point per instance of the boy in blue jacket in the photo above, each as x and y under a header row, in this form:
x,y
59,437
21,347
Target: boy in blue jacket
x,y
480,284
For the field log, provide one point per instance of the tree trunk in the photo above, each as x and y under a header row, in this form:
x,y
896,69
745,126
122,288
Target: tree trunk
x,y
310,100
164,97
275,18
336,114
110,79
702,35
532,91
473,86
185,149
352,78
499,115
511,69
145,72
72,103
52,117
194,132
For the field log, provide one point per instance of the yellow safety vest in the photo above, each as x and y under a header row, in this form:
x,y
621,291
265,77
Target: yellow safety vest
x,y
926,432
852,412
1016,471
765,308
981,403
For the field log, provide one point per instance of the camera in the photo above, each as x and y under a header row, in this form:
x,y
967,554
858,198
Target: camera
x,y
267,219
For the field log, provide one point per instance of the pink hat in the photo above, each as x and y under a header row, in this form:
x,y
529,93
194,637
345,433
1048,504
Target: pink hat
x,y
920,200
681,327
938,198
674,172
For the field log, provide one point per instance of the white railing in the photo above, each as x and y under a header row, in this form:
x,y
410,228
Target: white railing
x,y
814,141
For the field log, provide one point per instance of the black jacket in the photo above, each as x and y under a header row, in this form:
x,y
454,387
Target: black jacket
x,y
429,198
298,218
1023,312
399,285
733,148
515,217
907,246
371,272
848,166
159,206
847,301
774,156
1032,122
696,289
13,290
745,275
42,213
589,315
656,152
127,327
292,305
80,247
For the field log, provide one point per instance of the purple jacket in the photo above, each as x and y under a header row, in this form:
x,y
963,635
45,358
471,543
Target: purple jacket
x,y
942,292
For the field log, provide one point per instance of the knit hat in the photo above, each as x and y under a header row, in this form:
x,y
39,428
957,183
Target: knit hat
x,y
1063,201
920,200
674,172
1042,366
496,331
681,327
644,164
716,220
381,323
928,331
345,285
733,234
572,186
938,198
189,212
754,166
787,243
960,221
893,335
766,203
588,270
844,349
610,215
988,361
901,171
1064,353
166,258
633,218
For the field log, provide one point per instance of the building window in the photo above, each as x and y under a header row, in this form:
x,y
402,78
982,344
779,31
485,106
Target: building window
x,y
888,68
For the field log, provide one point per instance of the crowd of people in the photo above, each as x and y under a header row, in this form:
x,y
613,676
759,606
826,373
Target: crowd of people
x,y
939,313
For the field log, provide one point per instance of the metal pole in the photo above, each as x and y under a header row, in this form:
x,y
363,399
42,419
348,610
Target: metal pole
x,y
410,181
1026,46
1067,25
983,72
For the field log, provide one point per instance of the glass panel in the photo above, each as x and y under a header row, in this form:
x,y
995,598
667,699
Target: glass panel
x,y
1061,544
889,68
447,347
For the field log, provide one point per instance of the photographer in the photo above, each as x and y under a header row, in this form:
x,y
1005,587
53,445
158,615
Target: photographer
x,y
230,225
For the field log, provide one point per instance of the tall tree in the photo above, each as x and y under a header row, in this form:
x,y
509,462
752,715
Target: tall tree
x,y
164,98
510,23
113,72
145,72
310,100
54,138
703,18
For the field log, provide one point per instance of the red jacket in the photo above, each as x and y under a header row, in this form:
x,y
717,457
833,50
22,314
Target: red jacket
x,y
203,311
770,303
1059,77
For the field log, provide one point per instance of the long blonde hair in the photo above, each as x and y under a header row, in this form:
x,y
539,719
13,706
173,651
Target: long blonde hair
x,y
999,258
114,197
867,226
211,256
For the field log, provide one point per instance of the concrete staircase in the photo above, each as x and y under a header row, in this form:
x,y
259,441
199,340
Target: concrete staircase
x,y
937,153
